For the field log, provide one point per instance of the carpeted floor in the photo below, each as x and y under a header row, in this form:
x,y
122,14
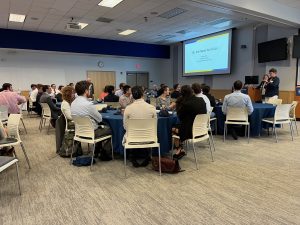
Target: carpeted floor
x,y
256,183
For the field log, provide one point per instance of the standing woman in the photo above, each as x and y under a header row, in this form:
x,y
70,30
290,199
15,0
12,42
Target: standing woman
x,y
188,106
262,85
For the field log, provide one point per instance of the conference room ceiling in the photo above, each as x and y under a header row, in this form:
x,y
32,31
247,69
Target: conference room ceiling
x,y
154,20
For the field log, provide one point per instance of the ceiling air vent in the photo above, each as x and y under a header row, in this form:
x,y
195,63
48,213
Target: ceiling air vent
x,y
172,13
104,20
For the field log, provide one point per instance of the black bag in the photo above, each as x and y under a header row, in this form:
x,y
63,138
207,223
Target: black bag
x,y
167,165
163,113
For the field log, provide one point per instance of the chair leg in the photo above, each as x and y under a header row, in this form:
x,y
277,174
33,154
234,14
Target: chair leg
x,y
23,125
216,127
274,127
24,151
71,157
17,168
225,132
248,133
296,126
48,127
211,154
196,162
213,142
172,149
40,126
292,131
94,146
125,162
159,162
112,149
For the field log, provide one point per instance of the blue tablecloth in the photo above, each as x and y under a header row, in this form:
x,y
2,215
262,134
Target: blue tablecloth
x,y
164,130
260,111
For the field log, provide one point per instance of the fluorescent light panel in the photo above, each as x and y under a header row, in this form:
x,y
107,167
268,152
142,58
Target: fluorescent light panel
x,y
127,32
82,25
16,18
109,3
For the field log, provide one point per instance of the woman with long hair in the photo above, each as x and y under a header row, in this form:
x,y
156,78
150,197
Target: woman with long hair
x,y
68,96
187,107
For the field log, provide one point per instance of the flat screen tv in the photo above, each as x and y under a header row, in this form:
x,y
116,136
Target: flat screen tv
x,y
272,50
296,46
251,80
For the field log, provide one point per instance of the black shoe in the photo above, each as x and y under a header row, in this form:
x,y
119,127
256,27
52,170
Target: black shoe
x,y
135,163
145,162
233,134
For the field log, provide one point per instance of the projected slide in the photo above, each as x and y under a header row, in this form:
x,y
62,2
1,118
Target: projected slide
x,y
208,55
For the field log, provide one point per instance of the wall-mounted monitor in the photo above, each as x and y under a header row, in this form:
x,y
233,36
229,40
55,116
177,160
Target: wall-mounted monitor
x,y
275,50
296,46
208,55
251,79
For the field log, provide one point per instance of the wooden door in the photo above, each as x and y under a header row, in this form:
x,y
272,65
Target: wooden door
x,y
100,79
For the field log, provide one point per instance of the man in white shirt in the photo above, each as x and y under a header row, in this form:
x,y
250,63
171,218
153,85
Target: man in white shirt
x,y
33,93
237,99
81,106
198,93
139,109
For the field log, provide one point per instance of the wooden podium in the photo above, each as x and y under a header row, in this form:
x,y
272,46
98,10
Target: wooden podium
x,y
254,94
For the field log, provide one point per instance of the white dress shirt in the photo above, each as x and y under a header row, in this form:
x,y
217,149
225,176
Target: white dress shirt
x,y
237,99
33,95
207,102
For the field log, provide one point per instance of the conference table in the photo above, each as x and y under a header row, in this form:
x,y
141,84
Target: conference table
x,y
164,130
260,111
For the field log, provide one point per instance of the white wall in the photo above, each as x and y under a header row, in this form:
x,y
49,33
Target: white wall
x,y
21,68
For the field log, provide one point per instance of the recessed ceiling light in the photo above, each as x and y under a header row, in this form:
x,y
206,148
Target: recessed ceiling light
x,y
82,25
127,32
109,3
16,18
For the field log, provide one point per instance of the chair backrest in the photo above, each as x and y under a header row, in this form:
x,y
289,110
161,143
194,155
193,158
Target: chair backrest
x,y
274,101
13,126
46,110
3,113
237,114
113,104
200,125
83,127
293,109
282,112
66,119
99,107
141,131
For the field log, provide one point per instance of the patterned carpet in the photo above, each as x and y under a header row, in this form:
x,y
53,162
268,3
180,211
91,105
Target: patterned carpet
x,y
256,183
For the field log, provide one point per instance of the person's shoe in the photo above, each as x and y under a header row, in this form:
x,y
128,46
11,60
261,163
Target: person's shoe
x,y
135,163
234,135
145,162
179,155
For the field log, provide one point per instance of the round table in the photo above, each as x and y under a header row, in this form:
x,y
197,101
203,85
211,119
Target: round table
x,y
164,130
260,111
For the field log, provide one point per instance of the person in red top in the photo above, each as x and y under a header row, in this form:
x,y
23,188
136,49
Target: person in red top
x,y
11,99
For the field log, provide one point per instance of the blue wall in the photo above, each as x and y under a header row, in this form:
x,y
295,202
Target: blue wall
x,y
20,39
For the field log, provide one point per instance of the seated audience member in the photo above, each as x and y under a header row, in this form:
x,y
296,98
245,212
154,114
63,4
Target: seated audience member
x,y
38,107
53,90
104,93
111,97
154,90
46,98
139,109
58,95
33,93
161,90
198,92
239,100
68,96
164,100
205,91
176,92
126,98
187,107
120,92
81,106
11,99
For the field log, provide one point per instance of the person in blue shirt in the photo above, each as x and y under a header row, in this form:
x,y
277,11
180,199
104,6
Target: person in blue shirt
x,y
237,99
